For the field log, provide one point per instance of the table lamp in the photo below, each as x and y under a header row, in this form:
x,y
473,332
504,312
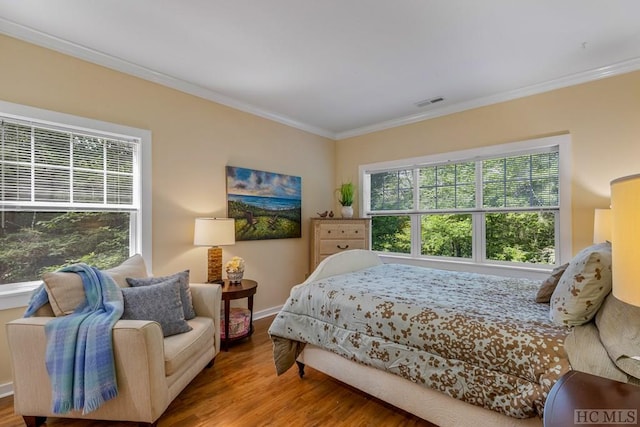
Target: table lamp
x,y
214,232
625,238
602,225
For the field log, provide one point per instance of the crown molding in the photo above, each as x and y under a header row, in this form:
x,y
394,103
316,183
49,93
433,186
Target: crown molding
x,y
566,81
48,41
39,38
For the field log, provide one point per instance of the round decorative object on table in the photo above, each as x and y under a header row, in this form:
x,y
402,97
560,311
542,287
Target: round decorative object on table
x,y
235,276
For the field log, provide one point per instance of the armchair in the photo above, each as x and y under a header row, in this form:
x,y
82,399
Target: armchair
x,y
151,370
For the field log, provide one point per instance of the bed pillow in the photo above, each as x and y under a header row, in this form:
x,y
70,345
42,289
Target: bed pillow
x,y
583,286
549,285
619,328
185,291
132,267
159,302
66,292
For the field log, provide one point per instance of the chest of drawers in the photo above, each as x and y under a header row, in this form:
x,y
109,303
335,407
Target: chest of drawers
x,y
330,236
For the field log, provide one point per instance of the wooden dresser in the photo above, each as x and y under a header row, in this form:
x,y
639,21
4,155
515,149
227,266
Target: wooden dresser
x,y
330,236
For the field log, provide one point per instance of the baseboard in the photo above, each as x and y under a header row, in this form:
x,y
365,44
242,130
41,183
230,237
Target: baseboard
x,y
266,312
6,389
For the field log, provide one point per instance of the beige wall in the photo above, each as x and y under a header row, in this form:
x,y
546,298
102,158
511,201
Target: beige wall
x,y
193,140
603,118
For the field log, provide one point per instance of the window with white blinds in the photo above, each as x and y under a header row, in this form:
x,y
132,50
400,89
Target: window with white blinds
x,y
49,168
72,190
498,205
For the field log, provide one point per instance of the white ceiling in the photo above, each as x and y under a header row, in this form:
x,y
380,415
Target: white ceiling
x,y
342,67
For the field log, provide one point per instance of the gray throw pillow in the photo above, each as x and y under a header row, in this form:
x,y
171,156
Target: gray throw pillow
x,y
160,303
185,292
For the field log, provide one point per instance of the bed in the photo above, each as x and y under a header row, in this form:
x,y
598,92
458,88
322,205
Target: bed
x,y
398,335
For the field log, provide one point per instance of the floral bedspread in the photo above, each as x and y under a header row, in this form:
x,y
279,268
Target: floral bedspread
x,y
478,338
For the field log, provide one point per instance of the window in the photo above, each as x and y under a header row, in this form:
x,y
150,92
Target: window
x,y
498,206
68,194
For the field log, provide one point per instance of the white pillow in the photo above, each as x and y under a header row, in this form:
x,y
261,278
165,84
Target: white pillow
x,y
583,286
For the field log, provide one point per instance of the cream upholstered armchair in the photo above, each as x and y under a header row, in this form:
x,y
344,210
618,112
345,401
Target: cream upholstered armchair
x,y
151,370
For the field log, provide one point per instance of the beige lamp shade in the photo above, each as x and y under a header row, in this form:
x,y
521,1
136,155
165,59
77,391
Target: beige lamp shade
x,y
625,238
602,225
214,232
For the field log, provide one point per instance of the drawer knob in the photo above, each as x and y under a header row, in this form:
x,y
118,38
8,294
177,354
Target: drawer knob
x,y
345,247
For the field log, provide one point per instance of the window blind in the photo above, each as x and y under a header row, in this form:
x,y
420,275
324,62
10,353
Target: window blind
x,y
48,168
524,181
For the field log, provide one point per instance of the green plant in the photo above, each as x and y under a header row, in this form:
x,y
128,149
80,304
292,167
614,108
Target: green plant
x,y
346,191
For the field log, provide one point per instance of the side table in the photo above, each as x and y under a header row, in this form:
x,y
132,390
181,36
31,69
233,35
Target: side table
x,y
231,291
579,398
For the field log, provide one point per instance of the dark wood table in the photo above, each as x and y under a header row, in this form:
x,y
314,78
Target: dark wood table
x,y
580,399
231,291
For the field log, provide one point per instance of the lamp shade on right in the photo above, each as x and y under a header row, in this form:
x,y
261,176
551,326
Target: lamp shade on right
x,y
602,225
625,238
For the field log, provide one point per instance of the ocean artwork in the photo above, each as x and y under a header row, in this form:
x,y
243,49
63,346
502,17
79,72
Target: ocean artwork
x,y
265,205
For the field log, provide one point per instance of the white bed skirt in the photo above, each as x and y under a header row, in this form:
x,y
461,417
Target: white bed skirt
x,y
430,405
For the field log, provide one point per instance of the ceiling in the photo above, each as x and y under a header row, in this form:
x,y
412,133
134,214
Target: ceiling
x,y
340,68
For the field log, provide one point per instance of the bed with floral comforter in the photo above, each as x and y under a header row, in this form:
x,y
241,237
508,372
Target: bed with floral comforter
x,y
477,338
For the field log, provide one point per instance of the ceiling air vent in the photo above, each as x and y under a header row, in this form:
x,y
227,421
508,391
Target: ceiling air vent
x,y
426,102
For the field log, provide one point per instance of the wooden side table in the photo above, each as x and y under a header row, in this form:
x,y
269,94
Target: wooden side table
x,y
579,399
230,291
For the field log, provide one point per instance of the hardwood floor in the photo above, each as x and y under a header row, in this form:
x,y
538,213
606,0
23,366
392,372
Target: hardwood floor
x,y
242,389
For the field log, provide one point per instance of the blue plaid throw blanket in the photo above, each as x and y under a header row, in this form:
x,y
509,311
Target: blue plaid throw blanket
x,y
79,354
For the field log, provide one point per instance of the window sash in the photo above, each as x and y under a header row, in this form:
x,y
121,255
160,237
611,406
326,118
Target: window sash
x,y
560,144
413,184
52,168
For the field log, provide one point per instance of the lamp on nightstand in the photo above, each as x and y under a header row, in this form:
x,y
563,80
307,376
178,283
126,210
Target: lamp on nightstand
x,y
625,238
602,225
214,232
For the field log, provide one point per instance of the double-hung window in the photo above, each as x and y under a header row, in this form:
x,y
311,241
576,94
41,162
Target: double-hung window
x,y
503,205
67,194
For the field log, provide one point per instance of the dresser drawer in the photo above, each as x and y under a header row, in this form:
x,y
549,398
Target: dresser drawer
x,y
342,231
334,235
332,246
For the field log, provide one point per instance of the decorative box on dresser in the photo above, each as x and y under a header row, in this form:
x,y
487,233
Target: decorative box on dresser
x,y
333,235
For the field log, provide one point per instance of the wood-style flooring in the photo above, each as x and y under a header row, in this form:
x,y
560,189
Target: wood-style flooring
x,y
242,390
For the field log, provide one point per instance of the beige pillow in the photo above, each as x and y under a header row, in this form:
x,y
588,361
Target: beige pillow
x,y
583,286
133,267
549,285
66,292
619,328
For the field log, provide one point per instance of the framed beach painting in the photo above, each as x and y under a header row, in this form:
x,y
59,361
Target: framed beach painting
x,y
265,205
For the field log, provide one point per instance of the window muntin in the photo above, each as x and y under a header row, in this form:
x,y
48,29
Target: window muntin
x,y
392,190
449,186
523,181
41,167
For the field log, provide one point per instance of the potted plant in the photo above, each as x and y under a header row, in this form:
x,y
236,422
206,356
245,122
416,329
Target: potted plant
x,y
346,191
